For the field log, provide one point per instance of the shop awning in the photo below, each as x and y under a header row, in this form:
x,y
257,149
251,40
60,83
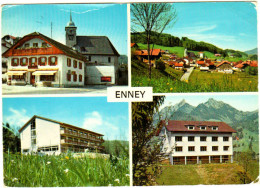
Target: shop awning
x,y
15,72
44,72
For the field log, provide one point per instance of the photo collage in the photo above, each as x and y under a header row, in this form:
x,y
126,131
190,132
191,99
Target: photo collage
x,y
186,74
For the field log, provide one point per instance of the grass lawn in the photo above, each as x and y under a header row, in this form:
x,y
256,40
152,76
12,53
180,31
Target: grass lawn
x,y
168,81
202,174
64,171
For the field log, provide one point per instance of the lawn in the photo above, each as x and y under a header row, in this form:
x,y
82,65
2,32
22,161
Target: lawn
x,y
202,174
64,171
168,81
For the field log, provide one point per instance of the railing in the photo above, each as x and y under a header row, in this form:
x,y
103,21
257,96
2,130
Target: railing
x,y
32,51
68,141
81,135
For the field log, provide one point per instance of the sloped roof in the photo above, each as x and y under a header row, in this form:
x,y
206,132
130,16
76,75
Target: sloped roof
x,y
72,126
67,50
96,45
181,126
222,63
154,52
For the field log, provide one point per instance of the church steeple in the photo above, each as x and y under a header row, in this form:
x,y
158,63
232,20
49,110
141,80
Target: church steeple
x,y
71,32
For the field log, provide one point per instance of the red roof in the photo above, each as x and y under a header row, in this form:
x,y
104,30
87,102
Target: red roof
x,y
200,62
154,52
178,65
132,44
253,64
222,63
182,126
239,65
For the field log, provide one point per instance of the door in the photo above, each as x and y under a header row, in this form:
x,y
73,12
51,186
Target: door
x,y
32,79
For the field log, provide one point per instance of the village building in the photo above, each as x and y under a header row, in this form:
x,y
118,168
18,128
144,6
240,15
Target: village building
x,y
43,135
41,61
224,67
6,42
196,142
102,66
201,54
142,55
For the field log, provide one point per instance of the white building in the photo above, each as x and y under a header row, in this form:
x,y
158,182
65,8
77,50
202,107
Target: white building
x,y
41,61
102,66
48,136
190,142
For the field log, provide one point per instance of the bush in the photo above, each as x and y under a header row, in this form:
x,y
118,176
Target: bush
x,y
159,64
251,70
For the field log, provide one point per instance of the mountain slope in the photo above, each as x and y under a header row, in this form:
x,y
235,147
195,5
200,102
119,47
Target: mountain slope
x,y
252,52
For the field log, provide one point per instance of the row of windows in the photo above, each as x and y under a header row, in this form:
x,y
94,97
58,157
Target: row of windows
x,y
35,45
202,148
192,127
80,133
202,138
75,63
74,77
81,141
34,61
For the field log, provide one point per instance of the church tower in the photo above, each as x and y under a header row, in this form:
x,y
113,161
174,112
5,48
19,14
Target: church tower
x,y
71,33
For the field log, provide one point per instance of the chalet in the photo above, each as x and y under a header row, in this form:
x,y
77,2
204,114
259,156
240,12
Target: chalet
x,y
196,142
53,137
200,63
102,66
238,67
143,55
217,55
41,61
179,66
6,42
224,67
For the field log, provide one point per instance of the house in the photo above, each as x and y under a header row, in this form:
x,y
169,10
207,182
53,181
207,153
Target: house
x,y
179,65
224,67
196,142
41,61
201,54
134,45
102,66
142,55
200,63
49,136
6,42
217,55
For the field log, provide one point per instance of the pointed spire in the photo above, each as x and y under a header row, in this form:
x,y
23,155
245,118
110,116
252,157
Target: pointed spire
x,y
70,16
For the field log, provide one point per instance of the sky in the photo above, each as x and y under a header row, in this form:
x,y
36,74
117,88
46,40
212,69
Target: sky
x,y
90,19
228,25
91,113
244,102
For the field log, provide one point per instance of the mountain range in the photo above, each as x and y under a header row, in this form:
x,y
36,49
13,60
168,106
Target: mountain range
x,y
212,110
252,52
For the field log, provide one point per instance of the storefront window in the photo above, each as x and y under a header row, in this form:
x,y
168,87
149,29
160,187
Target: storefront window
x,y
18,77
47,78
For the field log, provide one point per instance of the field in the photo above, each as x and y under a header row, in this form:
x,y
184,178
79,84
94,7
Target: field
x,y
168,81
205,174
64,171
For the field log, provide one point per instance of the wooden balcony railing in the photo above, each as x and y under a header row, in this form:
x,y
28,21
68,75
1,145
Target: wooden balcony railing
x,y
32,51
81,135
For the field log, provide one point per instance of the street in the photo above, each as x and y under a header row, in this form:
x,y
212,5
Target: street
x,y
28,89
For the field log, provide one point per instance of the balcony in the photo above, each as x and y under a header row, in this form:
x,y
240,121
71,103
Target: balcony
x,y
32,51
71,133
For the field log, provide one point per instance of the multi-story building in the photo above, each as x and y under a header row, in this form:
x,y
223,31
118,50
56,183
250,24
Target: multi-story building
x,y
190,142
102,66
40,134
41,61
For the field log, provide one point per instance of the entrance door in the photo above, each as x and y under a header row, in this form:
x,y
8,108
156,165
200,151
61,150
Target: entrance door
x,y
32,78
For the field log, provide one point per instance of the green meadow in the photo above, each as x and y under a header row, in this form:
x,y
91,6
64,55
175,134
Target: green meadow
x,y
64,171
168,81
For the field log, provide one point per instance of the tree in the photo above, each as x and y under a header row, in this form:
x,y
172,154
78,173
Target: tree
x,y
11,141
152,17
145,148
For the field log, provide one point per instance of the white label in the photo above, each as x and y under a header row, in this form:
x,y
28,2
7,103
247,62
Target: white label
x,y
129,94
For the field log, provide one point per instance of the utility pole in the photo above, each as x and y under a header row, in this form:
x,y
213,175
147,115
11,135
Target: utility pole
x,y
51,29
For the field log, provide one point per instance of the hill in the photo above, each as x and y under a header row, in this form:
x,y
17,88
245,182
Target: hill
x,y
245,123
169,41
207,174
252,52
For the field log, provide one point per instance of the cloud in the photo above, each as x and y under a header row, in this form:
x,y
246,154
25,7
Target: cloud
x,y
111,127
197,28
17,117
79,12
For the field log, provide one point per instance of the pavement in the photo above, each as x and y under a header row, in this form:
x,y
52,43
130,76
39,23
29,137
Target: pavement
x,y
186,75
28,89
